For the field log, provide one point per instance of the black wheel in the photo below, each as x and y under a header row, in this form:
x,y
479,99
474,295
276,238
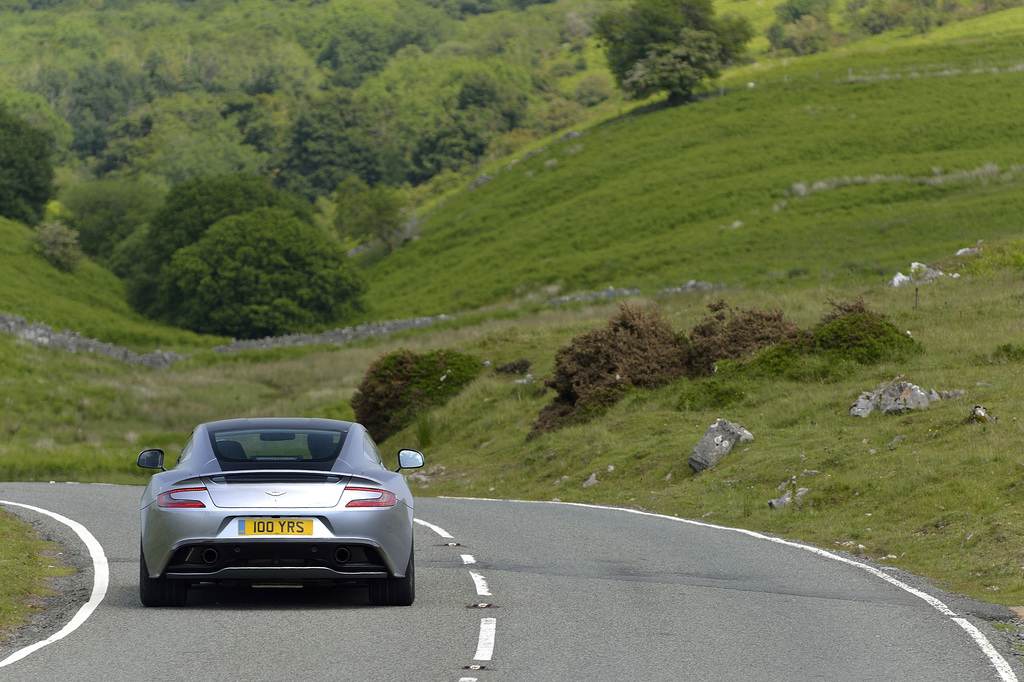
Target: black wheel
x,y
393,591
159,591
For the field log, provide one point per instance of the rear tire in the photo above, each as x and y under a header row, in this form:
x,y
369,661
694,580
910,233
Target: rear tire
x,y
393,591
159,591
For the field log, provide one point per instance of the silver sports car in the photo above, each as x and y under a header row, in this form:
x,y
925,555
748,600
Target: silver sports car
x,y
277,501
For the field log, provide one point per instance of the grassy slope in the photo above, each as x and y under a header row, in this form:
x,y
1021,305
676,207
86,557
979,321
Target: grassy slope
x,y
89,301
697,192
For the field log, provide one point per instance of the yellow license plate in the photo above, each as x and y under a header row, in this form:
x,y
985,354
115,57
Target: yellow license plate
x,y
275,527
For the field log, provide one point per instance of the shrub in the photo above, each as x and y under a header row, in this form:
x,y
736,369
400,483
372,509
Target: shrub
x,y
399,385
635,349
1012,352
520,366
58,244
711,393
736,334
866,337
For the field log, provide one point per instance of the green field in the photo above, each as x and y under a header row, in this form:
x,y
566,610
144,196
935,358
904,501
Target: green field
x,y
818,183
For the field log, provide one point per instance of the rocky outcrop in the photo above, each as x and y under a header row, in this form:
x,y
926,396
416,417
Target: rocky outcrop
x,y
716,443
898,396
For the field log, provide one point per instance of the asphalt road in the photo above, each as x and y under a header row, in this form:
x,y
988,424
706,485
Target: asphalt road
x,y
571,593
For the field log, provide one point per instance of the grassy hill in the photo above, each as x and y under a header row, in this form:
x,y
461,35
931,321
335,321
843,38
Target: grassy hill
x,y
818,183
89,301
845,165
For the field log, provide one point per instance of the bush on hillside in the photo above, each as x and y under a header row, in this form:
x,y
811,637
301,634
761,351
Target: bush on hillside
x,y
853,332
727,333
725,354
635,349
400,385
58,244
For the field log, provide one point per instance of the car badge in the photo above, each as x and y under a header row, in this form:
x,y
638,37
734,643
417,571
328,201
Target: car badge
x,y
276,493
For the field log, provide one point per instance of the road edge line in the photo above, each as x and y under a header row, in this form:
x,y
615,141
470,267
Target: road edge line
x,y
101,580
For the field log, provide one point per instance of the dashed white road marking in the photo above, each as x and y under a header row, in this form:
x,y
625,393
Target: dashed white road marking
x,y
101,579
481,584
485,645
488,626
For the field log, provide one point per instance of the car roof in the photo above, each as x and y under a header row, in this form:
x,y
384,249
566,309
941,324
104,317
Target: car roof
x,y
278,423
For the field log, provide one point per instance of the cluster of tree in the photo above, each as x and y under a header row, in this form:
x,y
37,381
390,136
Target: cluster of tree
x,y
805,26
231,255
227,254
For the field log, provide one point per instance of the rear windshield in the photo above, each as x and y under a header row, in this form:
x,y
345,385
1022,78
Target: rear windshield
x,y
277,448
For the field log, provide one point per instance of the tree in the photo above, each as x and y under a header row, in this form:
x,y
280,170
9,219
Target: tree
x,y
258,274
329,142
180,137
802,26
189,210
105,212
26,171
365,212
456,142
669,45
99,97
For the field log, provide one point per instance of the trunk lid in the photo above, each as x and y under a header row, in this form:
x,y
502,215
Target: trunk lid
x,y
276,489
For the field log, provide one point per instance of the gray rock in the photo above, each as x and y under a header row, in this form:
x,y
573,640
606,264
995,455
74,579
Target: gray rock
x,y
788,497
591,481
716,443
863,406
897,398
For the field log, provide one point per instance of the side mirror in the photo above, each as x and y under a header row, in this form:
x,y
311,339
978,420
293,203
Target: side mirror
x,y
409,459
152,459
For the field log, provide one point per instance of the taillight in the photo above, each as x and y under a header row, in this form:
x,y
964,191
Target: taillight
x,y
169,499
371,497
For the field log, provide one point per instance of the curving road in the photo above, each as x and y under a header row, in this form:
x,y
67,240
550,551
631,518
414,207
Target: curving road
x,y
517,591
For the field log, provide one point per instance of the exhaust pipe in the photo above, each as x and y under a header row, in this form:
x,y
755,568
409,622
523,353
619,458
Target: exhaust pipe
x,y
209,556
342,555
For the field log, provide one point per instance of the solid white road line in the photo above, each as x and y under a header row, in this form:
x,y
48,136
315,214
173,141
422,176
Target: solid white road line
x,y
485,645
101,579
437,529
